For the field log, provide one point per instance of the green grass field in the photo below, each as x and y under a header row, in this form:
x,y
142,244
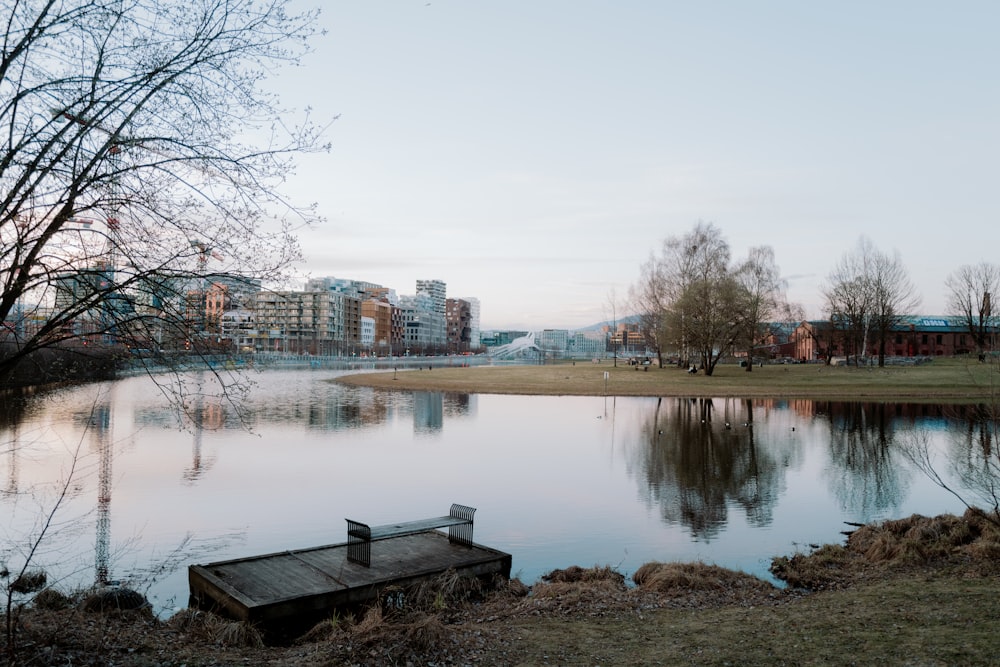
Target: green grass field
x,y
951,380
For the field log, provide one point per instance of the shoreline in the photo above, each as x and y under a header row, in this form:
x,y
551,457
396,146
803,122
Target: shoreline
x,y
951,381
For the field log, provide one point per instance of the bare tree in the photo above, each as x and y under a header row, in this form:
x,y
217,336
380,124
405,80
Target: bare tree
x,y
138,144
970,292
22,572
761,298
689,297
649,299
868,294
703,293
893,297
612,317
849,299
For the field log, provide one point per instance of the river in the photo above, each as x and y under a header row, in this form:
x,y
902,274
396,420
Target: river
x,y
148,487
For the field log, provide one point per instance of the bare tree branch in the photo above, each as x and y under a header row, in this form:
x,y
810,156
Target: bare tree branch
x,y
134,134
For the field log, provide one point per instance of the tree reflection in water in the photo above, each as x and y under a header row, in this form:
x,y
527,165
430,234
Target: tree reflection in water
x,y
697,459
971,458
558,476
697,463
867,474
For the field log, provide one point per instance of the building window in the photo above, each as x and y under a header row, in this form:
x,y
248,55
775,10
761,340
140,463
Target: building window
x,y
940,339
923,339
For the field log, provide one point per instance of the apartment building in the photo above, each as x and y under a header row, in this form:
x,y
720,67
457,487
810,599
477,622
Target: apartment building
x,y
458,313
381,315
423,327
475,329
310,322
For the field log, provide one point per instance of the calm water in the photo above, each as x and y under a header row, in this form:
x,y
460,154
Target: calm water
x,y
557,480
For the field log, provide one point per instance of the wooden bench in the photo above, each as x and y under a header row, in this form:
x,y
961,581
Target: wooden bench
x,y
360,535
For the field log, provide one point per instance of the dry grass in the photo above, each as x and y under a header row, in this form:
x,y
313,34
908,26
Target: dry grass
x,y
679,579
948,379
576,574
920,590
576,587
212,629
970,541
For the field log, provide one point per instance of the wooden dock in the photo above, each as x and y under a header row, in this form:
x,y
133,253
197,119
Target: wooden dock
x,y
294,588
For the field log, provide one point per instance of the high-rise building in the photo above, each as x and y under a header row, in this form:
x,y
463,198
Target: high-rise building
x,y
459,317
436,290
355,289
419,322
436,323
475,332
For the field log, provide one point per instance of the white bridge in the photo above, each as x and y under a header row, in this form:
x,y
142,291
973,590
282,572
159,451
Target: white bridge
x,y
517,348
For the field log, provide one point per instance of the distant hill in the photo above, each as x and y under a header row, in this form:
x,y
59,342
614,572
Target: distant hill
x,y
593,327
627,319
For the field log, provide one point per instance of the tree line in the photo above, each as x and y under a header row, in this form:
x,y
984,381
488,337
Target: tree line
x,y
693,300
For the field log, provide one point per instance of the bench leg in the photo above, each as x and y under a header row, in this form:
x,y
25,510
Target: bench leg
x,y
359,543
461,534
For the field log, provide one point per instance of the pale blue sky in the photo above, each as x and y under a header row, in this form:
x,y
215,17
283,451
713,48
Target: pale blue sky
x,y
533,153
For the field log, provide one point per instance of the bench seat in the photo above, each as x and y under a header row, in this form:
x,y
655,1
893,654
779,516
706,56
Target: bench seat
x,y
360,535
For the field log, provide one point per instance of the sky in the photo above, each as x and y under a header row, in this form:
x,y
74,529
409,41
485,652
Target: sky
x,y
534,153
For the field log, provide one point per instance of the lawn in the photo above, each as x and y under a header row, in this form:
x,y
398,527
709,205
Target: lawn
x,y
952,380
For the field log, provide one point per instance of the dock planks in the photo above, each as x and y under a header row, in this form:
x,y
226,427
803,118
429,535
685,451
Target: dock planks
x,y
294,587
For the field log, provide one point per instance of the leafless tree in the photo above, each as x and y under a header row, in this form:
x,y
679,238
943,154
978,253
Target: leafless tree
x,y
612,318
761,298
22,567
849,299
704,294
868,294
893,297
971,289
138,145
691,298
648,298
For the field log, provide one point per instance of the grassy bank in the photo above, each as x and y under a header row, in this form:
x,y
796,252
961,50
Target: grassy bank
x,y
916,591
915,620
953,380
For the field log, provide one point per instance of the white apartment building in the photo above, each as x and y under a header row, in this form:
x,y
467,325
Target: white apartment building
x,y
367,332
424,316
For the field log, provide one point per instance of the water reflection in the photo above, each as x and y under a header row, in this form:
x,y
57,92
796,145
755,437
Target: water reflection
x,y
558,480
700,457
971,458
868,475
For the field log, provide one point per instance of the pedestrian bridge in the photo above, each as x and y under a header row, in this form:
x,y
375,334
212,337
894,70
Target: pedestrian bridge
x,y
518,348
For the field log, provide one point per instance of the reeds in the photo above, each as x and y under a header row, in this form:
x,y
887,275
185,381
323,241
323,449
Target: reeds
x,y
683,578
971,540
209,628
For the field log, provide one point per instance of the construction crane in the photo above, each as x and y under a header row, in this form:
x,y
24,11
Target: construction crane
x,y
112,216
100,422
